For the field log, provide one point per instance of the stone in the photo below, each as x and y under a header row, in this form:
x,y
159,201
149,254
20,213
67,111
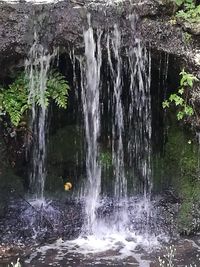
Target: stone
x,y
61,24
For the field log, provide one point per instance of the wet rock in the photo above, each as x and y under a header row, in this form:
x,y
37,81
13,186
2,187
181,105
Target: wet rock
x,y
182,172
3,207
10,183
62,24
193,28
32,223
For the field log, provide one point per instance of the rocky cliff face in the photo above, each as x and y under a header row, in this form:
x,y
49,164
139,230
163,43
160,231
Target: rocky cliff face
x,y
61,25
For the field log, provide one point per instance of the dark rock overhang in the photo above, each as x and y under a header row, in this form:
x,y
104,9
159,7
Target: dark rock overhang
x,y
61,25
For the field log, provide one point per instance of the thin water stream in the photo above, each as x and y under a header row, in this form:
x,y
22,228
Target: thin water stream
x,y
37,66
91,110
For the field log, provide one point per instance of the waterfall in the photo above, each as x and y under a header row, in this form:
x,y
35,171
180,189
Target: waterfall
x,y
37,66
91,109
118,223
130,127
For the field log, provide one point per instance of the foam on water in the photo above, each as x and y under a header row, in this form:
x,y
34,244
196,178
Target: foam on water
x,y
108,243
112,247
125,243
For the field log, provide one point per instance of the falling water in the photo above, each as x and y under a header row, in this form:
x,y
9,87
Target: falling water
x,y
37,66
136,120
118,121
90,100
120,185
139,117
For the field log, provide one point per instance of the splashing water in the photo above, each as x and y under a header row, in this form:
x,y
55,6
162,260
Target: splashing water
x,y
37,66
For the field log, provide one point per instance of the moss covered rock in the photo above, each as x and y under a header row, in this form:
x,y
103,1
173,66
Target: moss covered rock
x,y
178,168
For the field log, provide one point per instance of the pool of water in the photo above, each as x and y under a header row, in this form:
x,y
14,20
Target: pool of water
x,y
93,252
50,233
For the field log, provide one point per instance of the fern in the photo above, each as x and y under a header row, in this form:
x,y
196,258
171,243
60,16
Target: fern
x,y
58,89
14,99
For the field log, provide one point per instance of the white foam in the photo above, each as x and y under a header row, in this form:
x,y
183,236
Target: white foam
x,y
113,246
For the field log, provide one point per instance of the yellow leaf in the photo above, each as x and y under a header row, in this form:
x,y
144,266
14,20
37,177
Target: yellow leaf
x,y
67,186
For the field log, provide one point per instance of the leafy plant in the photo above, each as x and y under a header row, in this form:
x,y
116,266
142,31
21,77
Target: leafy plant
x,y
191,15
185,109
14,100
57,89
189,12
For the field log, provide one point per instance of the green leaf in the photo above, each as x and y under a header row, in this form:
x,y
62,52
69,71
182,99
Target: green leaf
x,y
180,115
179,2
172,97
14,100
181,91
188,110
165,104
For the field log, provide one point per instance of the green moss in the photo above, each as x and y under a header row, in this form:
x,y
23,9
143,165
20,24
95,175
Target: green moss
x,y
181,156
106,159
179,168
185,218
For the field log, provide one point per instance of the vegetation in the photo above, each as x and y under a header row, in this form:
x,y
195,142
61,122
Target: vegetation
x,y
14,100
179,168
189,11
106,158
180,99
182,161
